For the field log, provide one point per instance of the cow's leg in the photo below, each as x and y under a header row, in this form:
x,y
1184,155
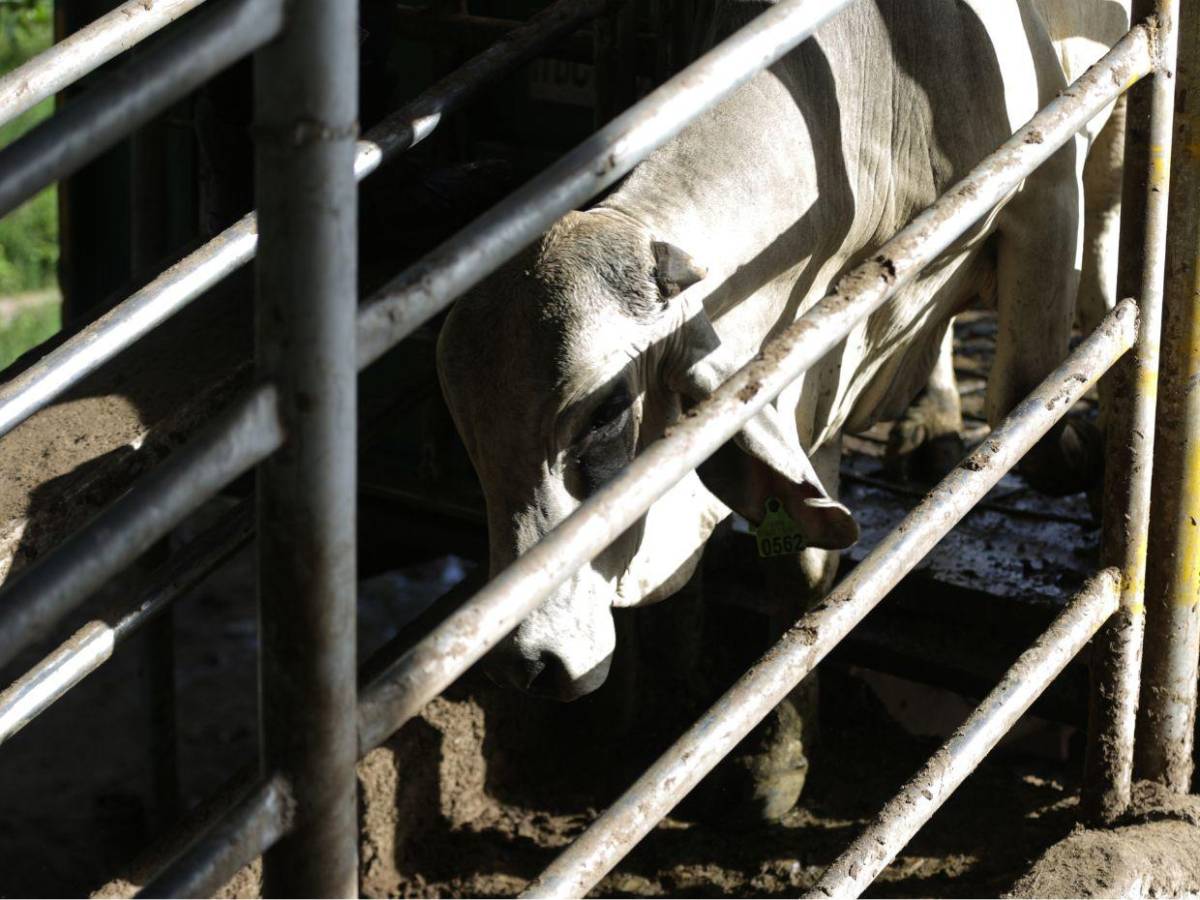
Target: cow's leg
x,y
928,442
1038,249
1101,233
1102,221
770,766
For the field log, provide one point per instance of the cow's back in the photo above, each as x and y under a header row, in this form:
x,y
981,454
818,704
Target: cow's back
x,y
813,164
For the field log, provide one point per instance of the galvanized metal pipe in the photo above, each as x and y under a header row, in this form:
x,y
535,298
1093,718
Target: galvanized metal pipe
x,y
258,821
67,364
82,354
41,595
744,705
1167,716
1117,653
925,792
129,98
85,51
306,110
465,636
93,644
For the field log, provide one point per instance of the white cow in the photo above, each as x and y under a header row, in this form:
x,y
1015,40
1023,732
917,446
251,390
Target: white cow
x,y
798,176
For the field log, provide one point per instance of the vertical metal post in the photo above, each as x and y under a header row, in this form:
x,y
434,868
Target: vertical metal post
x,y
1164,751
306,103
1117,654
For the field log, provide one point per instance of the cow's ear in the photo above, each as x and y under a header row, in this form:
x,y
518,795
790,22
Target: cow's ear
x,y
764,462
760,465
674,270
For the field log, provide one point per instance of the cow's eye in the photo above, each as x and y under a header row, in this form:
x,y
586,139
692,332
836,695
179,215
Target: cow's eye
x,y
606,444
612,409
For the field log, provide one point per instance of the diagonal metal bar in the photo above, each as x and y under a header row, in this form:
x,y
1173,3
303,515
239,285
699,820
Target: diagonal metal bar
x,y
925,792
215,38
93,644
42,594
85,51
162,298
262,814
427,287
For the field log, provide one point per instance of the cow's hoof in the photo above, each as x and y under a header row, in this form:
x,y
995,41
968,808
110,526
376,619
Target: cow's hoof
x,y
761,781
1068,460
926,444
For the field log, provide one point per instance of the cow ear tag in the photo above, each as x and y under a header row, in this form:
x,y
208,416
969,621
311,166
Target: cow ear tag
x,y
778,534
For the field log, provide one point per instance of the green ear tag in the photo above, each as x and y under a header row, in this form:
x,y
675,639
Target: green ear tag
x,y
778,535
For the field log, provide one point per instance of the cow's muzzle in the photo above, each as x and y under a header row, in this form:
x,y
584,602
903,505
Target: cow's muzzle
x,y
544,676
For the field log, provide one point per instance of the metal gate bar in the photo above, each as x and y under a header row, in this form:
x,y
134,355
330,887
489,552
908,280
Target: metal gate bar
x,y
306,118
467,634
263,817
188,279
213,39
1167,718
85,51
805,644
37,599
94,643
923,795
1117,656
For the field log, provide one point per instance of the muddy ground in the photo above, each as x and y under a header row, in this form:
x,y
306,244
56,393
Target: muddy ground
x,y
477,796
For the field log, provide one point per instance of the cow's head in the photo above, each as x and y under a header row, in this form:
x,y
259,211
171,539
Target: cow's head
x,y
557,370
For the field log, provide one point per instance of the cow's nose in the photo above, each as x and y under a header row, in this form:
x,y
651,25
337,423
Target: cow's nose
x,y
544,676
554,681
509,669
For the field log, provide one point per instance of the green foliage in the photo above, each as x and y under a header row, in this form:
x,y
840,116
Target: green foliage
x,y
29,235
35,322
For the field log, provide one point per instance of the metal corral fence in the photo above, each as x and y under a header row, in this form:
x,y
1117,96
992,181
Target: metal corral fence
x,y
297,425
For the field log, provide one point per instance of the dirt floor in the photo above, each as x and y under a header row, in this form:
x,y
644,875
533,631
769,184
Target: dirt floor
x,y
479,794
489,840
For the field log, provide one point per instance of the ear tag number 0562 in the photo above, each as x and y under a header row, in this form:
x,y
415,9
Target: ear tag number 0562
x,y
778,535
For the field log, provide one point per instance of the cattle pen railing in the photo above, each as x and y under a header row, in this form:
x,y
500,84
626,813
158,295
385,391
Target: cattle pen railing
x,y
297,426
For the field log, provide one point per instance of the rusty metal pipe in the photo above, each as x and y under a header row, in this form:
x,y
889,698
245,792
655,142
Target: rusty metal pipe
x,y
804,645
500,606
1117,653
85,51
1168,708
925,792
